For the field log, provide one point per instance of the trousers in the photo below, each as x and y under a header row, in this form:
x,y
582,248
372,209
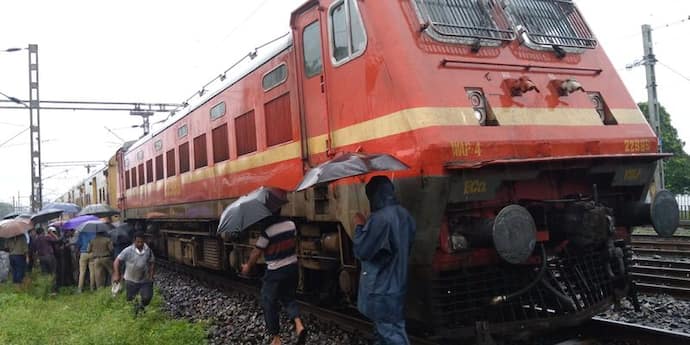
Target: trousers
x,y
102,266
391,333
47,264
279,286
84,263
145,289
18,266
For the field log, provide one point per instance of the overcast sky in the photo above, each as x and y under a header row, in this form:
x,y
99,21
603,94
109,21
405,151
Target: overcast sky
x,y
163,51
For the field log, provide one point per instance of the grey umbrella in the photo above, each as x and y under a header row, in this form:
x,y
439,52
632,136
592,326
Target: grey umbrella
x,y
122,234
65,206
249,209
99,210
348,165
96,226
46,215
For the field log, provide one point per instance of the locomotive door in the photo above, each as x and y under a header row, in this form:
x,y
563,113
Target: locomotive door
x,y
308,33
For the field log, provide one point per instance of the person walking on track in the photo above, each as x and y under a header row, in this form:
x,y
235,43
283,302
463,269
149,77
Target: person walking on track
x,y
277,244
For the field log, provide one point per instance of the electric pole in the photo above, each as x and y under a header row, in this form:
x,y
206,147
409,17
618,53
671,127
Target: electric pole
x,y
35,129
652,100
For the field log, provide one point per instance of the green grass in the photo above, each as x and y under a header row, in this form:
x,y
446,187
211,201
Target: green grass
x,y
30,315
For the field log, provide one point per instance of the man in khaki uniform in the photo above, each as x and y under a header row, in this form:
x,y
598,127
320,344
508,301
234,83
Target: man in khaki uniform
x,y
19,256
101,250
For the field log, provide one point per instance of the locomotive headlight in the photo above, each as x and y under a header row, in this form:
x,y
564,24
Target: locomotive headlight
x,y
458,242
478,103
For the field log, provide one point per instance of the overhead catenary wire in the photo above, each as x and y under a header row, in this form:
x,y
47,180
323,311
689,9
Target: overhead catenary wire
x,y
14,137
674,71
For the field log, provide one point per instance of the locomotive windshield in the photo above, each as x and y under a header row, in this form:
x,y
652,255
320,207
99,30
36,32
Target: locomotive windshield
x,y
551,22
467,21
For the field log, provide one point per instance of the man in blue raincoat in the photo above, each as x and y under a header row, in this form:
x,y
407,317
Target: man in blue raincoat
x,y
382,244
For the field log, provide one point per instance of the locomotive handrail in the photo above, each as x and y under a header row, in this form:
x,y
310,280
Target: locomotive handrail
x,y
528,67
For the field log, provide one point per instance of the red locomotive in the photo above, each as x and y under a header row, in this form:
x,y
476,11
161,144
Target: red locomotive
x,y
529,160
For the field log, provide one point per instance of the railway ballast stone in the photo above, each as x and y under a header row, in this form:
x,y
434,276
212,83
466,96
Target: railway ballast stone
x,y
236,318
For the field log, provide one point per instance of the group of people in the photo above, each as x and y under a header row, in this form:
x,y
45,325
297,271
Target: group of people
x,y
73,257
382,243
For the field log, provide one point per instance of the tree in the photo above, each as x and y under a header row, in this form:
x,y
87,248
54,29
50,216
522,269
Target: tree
x,y
676,168
5,209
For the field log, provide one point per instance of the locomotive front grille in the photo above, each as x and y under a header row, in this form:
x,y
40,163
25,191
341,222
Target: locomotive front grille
x,y
571,286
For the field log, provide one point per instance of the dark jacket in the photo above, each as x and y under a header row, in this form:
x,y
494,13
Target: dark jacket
x,y
43,244
383,246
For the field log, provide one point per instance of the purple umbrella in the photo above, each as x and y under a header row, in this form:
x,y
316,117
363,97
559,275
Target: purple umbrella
x,y
75,222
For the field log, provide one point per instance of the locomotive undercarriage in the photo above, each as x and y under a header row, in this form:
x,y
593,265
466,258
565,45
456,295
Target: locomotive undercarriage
x,y
460,285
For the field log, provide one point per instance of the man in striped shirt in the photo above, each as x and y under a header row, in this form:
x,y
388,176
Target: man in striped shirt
x,y
277,244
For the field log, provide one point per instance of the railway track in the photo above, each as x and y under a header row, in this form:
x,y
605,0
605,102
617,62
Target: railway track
x,y
662,265
343,319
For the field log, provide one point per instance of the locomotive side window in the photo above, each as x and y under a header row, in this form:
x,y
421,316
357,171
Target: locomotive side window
x,y
313,63
159,167
219,137
184,157
275,77
472,22
128,182
200,155
348,38
170,162
245,133
551,23
218,111
149,171
182,131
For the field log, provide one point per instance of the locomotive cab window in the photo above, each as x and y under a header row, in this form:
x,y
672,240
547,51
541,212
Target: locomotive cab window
x,y
311,38
275,77
471,22
551,23
347,36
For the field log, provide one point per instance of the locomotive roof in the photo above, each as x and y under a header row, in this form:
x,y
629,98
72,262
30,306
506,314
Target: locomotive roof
x,y
235,73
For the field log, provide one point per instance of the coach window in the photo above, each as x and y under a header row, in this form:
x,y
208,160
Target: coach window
x,y
218,111
159,167
134,177
221,150
348,38
245,133
313,63
275,77
142,178
200,155
149,171
170,162
184,157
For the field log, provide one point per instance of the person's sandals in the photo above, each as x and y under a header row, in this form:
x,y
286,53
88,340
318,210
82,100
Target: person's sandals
x,y
302,337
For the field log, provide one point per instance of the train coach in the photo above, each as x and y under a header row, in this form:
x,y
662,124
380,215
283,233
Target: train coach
x,y
529,161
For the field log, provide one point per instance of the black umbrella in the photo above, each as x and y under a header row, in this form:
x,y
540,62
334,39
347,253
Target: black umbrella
x,y
46,215
95,226
348,165
251,208
122,234
99,210
11,215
